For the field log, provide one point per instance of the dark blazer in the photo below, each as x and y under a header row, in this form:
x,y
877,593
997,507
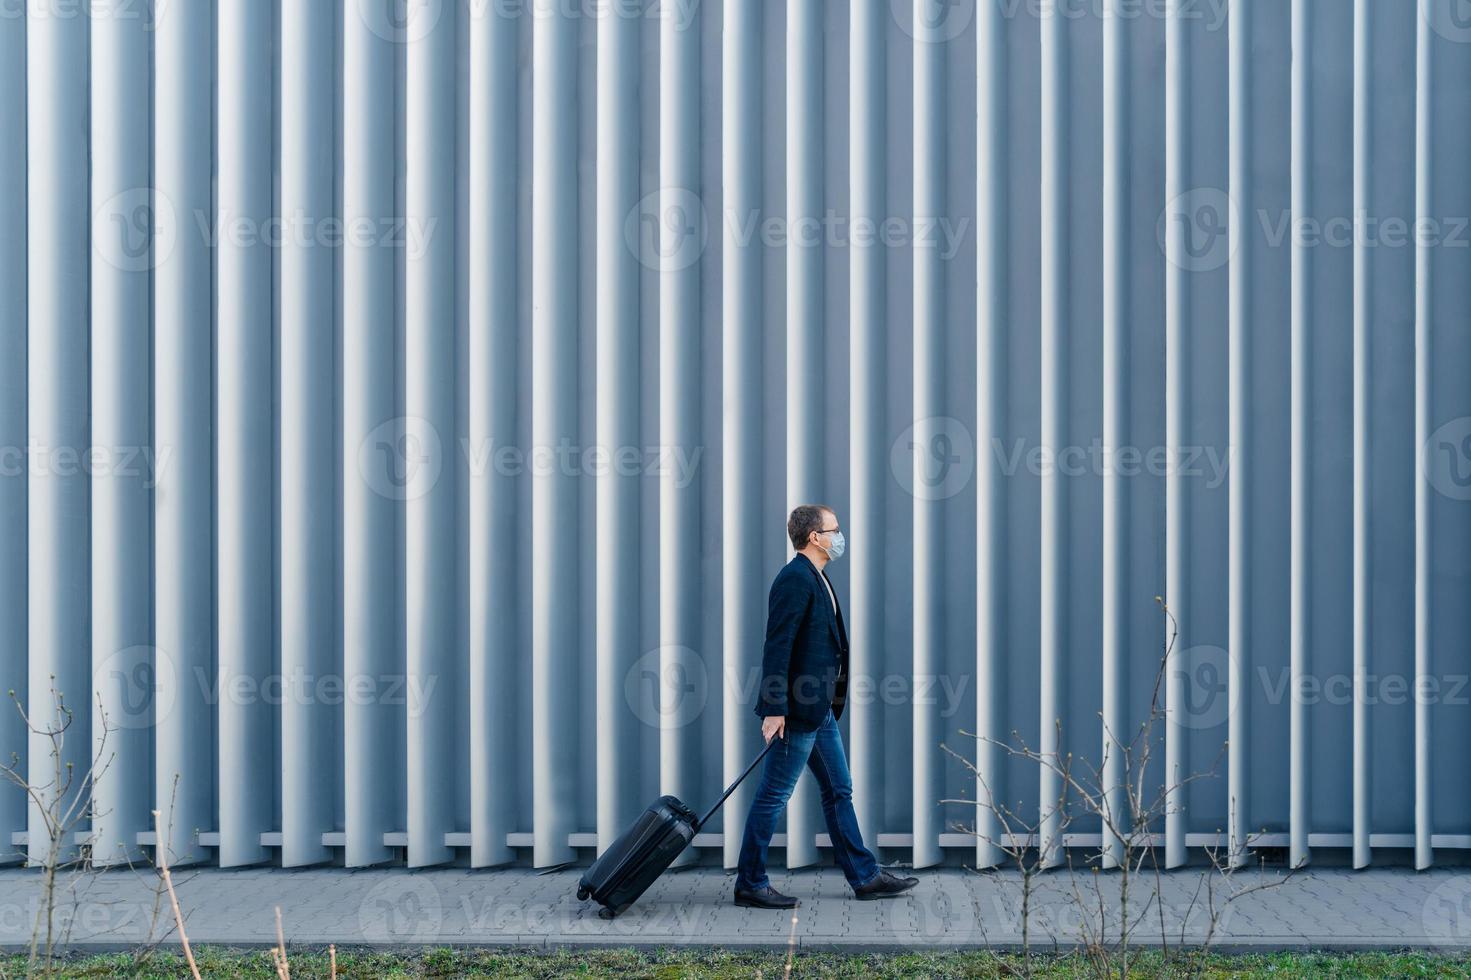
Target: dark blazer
x,y
804,668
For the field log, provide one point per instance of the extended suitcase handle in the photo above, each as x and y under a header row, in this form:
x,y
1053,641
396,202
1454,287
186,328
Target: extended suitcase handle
x,y
732,787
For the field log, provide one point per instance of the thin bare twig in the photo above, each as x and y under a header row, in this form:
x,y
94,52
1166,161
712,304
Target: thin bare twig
x,y
168,881
1117,795
283,967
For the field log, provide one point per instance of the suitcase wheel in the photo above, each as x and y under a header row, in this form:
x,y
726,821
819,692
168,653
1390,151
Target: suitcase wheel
x,y
606,914
582,893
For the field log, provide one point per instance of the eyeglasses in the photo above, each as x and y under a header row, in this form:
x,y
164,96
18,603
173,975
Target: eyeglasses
x,y
829,530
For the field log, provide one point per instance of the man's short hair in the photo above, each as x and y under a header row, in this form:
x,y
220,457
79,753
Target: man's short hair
x,y
805,519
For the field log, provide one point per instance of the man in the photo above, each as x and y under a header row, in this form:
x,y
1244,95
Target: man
x,y
803,687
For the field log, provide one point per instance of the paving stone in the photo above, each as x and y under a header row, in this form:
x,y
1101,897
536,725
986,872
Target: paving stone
x,y
951,908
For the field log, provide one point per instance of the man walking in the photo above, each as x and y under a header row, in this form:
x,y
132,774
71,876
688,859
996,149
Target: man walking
x,y
804,685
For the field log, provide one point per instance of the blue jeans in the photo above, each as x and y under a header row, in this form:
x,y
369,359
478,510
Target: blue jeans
x,y
822,752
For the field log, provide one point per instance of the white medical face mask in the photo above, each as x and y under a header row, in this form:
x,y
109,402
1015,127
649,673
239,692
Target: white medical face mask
x,y
836,546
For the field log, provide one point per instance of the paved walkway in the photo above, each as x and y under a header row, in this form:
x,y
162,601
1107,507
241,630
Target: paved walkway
x,y
950,908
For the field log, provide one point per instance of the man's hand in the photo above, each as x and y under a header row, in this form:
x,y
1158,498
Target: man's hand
x,y
773,726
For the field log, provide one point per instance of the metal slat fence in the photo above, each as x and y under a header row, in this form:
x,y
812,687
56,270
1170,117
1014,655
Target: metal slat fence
x,y
401,402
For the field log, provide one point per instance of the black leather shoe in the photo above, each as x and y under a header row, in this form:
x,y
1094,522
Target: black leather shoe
x,y
764,898
884,886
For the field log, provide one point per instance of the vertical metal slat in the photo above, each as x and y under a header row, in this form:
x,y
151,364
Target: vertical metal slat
x,y
372,512
57,421
554,417
14,594
122,397
1055,338
1239,520
247,460
1424,311
183,352
993,306
868,346
311,555
1177,386
494,593
1301,495
1362,447
742,573
679,402
430,403
1116,735
806,477
929,374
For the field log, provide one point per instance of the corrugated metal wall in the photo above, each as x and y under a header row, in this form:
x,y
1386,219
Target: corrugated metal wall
x,y
401,401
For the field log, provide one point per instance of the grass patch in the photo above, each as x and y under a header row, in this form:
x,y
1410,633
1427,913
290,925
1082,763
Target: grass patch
x,y
672,964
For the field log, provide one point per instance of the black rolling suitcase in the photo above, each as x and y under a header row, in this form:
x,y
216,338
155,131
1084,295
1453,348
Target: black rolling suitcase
x,y
643,852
